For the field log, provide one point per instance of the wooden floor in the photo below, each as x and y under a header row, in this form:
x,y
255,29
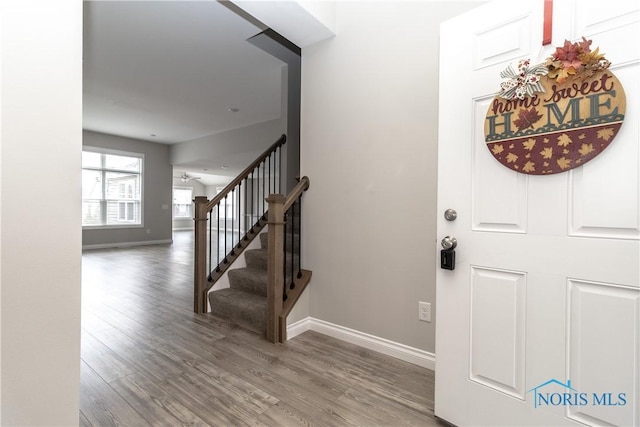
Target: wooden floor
x,y
147,359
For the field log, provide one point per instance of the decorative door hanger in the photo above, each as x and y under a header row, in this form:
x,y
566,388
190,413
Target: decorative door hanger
x,y
553,117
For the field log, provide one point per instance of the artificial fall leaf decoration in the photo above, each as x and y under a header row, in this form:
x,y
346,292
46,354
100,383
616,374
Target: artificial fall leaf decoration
x,y
586,149
569,53
564,140
591,57
547,153
529,167
575,60
529,144
558,73
563,162
606,133
497,149
527,118
571,60
511,158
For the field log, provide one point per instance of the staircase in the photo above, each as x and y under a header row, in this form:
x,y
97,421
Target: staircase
x,y
262,294
245,301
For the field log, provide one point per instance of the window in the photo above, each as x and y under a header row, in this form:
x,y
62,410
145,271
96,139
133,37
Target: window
x,y
111,188
182,197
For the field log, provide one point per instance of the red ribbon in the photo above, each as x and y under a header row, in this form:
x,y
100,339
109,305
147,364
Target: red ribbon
x,y
548,22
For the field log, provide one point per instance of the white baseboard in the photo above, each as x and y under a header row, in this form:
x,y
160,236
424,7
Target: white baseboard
x,y
371,342
299,327
126,244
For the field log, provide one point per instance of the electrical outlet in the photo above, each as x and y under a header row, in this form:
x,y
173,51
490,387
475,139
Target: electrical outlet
x,y
424,311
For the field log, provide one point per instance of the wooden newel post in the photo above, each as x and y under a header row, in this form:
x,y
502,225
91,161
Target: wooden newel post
x,y
275,265
200,272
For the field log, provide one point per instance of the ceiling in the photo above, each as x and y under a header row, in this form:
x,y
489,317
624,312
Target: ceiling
x,y
170,71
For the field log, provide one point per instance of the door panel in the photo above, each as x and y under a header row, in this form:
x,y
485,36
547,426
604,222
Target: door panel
x,y
595,346
499,202
546,285
498,314
506,41
604,199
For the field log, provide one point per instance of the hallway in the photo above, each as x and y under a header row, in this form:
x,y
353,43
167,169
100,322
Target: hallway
x,y
147,359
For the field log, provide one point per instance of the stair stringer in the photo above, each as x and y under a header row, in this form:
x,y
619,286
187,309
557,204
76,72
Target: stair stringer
x,y
239,262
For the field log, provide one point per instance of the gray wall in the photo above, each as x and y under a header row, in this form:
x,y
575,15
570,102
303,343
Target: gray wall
x,y
157,193
369,146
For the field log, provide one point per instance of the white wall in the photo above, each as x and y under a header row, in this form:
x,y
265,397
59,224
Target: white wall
x,y
41,142
369,147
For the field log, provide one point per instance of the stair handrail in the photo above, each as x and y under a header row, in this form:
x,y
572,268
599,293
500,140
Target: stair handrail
x,y
204,277
246,172
294,194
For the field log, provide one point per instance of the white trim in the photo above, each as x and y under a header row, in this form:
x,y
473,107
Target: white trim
x,y
110,151
183,229
126,244
299,327
371,342
103,150
112,226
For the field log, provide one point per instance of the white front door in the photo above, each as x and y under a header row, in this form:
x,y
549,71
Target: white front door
x,y
539,323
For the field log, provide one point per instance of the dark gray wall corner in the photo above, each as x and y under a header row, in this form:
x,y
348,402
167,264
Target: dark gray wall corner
x,y
283,49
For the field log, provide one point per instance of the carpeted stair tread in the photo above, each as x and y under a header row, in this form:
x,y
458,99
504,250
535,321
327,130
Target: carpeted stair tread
x,y
243,308
256,258
249,280
245,302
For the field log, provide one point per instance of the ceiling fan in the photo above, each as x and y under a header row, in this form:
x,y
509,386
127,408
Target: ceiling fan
x,y
186,178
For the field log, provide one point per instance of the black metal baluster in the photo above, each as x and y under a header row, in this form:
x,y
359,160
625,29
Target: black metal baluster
x,y
284,264
280,169
300,236
238,214
293,228
253,184
275,170
218,241
225,228
269,176
263,187
246,224
210,268
233,220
